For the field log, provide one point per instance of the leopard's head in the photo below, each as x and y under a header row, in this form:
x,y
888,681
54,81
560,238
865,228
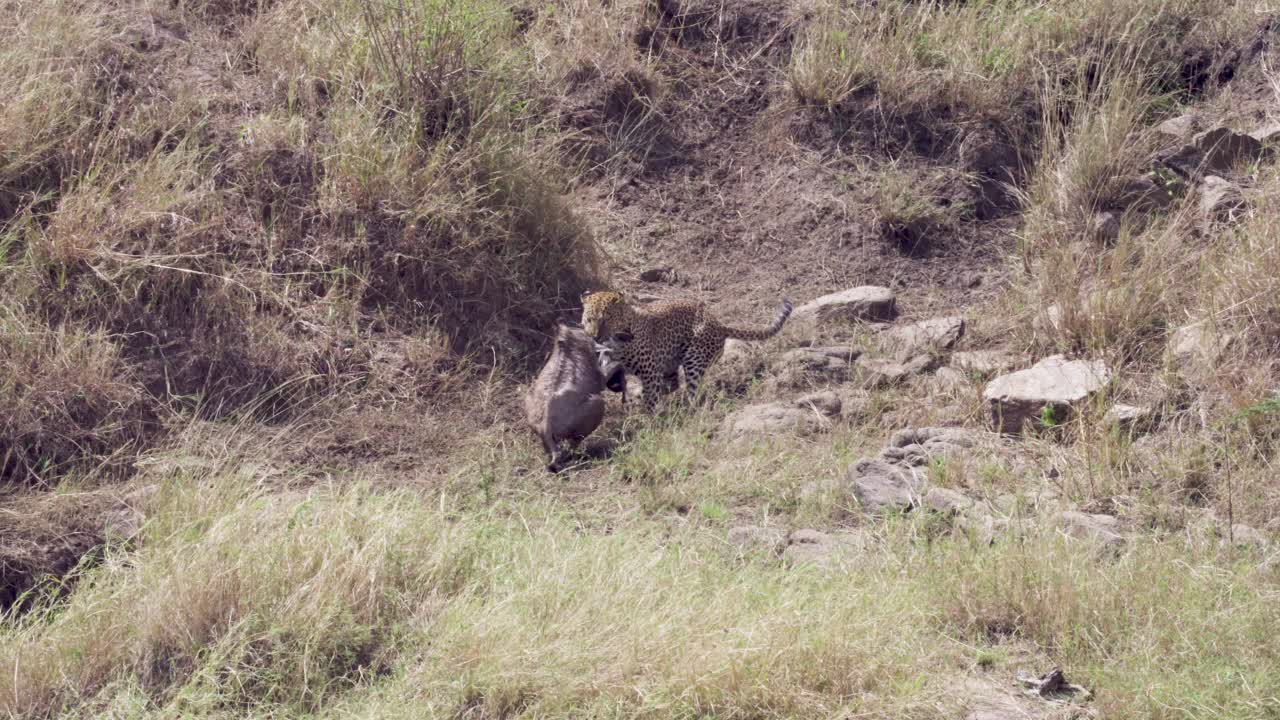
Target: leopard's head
x,y
606,316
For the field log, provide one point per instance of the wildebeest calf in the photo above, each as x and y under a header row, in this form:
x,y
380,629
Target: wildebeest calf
x,y
566,402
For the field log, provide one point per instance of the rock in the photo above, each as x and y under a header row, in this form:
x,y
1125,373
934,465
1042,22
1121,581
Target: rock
x,y
1055,384
842,353
1196,348
1102,529
1144,193
880,486
1266,134
805,367
824,402
1245,536
808,415
738,367
1222,149
856,404
948,502
983,362
812,547
750,538
986,700
918,447
1219,199
1179,128
856,304
908,341
1105,227
881,372
1215,151
1128,418
736,351
935,439
662,274
948,379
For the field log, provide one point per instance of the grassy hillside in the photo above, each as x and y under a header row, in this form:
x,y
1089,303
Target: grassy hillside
x,y
273,274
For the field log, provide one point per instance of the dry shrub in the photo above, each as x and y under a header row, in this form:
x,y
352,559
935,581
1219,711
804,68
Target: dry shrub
x,y
67,395
243,248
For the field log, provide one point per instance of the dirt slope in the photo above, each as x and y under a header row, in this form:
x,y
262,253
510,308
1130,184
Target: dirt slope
x,y
751,197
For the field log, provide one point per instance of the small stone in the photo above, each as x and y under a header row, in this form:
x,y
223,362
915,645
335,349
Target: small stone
x,y
654,275
746,538
855,304
948,379
738,351
1054,385
882,372
1246,536
1103,529
1144,192
1128,418
908,341
983,362
1219,200
825,402
1179,128
812,547
776,418
880,486
1196,348
947,502
1105,227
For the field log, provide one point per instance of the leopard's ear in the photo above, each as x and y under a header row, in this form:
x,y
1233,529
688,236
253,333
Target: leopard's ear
x,y
585,293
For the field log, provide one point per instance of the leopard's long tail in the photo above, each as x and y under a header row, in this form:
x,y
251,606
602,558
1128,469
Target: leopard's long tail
x,y
768,332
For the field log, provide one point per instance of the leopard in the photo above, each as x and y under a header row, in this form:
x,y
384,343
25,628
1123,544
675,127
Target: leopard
x,y
656,342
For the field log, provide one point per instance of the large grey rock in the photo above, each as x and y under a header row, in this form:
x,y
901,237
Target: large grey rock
x,y
884,372
1101,529
1054,385
869,302
984,362
804,416
907,341
881,486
